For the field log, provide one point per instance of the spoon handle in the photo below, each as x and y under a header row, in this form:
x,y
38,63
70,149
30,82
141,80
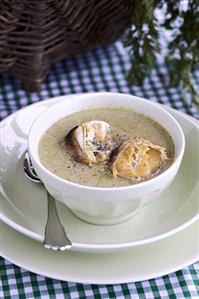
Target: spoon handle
x,y
55,235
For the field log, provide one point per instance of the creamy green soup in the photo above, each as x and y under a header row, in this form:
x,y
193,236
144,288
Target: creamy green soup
x,y
124,123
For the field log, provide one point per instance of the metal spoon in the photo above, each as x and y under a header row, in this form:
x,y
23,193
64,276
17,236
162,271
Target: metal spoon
x,y
55,236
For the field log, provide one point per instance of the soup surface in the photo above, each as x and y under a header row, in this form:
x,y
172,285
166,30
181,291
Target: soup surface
x,y
124,123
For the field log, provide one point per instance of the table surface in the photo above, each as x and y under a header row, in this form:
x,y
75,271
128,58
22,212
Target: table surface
x,y
103,69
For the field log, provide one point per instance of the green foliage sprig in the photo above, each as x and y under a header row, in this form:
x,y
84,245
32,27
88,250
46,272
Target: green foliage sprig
x,y
181,20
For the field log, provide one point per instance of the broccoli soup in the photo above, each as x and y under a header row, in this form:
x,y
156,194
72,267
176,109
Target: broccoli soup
x,y
106,147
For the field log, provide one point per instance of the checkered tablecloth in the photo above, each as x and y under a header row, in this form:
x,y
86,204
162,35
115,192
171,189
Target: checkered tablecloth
x,y
103,69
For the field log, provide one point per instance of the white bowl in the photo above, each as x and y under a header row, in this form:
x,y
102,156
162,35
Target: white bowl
x,y
100,205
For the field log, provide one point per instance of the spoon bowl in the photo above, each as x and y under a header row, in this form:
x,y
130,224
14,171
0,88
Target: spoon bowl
x,y
55,236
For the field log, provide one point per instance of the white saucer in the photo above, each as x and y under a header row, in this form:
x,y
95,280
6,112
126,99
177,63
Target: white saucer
x,y
24,203
135,264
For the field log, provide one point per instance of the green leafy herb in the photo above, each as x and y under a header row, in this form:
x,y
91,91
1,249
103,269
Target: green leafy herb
x,y
151,19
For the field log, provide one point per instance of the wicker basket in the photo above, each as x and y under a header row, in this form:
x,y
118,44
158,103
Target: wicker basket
x,y
36,33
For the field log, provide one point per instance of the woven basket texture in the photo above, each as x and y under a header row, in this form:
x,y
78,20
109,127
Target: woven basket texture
x,y
37,33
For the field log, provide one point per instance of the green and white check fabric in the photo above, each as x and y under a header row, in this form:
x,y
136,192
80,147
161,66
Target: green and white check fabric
x,y
103,69
18,283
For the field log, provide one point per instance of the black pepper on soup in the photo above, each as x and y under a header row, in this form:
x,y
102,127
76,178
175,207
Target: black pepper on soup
x,y
106,147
